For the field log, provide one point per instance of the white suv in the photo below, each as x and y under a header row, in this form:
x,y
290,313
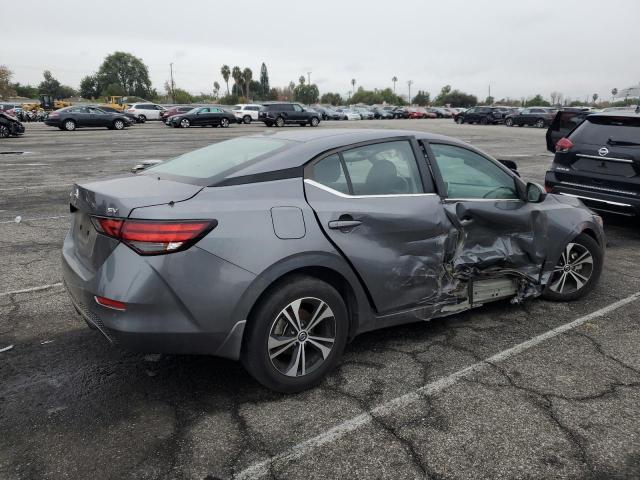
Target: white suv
x,y
246,112
146,111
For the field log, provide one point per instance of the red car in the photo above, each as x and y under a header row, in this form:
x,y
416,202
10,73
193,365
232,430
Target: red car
x,y
177,110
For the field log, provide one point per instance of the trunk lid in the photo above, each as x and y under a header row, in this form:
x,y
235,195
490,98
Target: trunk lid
x,y
115,198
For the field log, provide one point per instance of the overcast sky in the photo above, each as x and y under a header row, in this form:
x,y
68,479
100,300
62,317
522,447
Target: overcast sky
x,y
577,47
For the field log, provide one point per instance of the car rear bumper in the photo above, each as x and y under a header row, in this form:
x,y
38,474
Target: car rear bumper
x,y
165,313
597,198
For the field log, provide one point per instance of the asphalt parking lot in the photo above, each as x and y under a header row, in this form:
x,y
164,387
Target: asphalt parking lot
x,y
538,390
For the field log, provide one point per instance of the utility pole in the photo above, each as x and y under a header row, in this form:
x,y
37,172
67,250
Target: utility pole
x,y
173,97
410,82
309,78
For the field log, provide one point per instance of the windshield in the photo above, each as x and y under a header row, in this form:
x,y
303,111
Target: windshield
x,y
216,161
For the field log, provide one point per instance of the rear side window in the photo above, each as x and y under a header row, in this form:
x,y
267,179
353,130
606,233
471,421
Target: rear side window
x,y
602,130
388,168
216,161
329,173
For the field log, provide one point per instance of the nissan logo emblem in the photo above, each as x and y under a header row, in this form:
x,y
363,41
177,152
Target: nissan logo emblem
x,y
603,151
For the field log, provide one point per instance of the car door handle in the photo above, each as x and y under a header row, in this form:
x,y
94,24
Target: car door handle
x,y
340,224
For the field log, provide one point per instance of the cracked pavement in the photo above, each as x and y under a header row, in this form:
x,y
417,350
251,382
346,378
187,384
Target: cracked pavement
x,y
72,406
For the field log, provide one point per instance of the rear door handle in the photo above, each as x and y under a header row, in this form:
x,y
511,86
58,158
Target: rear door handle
x,y
340,224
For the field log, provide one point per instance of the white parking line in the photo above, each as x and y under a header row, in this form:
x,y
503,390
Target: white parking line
x,y
388,408
32,289
35,187
33,219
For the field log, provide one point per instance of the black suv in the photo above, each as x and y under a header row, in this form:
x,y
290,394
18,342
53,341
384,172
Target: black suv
x,y
481,115
599,162
280,114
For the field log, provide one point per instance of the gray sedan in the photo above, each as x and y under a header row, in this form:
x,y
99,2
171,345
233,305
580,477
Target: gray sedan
x,y
278,249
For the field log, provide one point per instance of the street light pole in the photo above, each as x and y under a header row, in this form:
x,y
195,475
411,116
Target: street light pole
x,y
173,97
410,82
309,78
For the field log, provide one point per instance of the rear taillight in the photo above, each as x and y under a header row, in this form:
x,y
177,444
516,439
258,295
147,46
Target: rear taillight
x,y
564,145
110,303
130,110
154,237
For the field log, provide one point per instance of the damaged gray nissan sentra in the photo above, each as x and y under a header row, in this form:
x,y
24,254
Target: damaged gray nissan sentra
x,y
278,248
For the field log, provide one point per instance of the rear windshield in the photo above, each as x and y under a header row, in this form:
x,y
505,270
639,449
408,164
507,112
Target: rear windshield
x,y
600,130
211,164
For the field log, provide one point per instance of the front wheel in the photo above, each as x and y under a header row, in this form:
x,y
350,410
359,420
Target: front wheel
x,y
484,121
296,335
314,122
142,119
246,119
509,122
4,131
118,125
459,120
224,123
185,123
69,125
279,122
577,271
539,123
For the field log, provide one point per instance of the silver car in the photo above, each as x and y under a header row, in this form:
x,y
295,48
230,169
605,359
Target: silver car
x,y
278,249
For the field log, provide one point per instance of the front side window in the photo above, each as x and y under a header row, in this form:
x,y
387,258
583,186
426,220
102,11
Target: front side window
x,y
298,108
387,168
467,174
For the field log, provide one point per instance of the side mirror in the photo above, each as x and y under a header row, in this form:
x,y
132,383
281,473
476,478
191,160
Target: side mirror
x,y
535,193
511,165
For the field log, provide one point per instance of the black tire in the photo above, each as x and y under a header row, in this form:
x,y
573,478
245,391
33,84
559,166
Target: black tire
x,y
246,119
597,256
255,356
142,118
460,120
69,125
4,131
184,123
118,124
540,123
279,122
509,122
314,122
224,122
484,121
269,124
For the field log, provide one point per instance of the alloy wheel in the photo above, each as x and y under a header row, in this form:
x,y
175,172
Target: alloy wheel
x,y
301,337
573,271
184,123
224,122
70,125
540,123
4,131
118,124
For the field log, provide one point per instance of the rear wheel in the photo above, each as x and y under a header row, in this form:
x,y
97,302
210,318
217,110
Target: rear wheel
x,y
224,123
484,121
539,123
509,122
314,122
69,125
577,271
246,119
296,335
142,118
459,120
4,131
279,122
185,123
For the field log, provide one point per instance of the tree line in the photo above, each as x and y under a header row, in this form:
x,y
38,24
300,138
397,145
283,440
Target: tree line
x,y
123,74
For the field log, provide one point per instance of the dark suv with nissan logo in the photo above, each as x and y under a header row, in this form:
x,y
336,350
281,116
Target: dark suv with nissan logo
x,y
599,163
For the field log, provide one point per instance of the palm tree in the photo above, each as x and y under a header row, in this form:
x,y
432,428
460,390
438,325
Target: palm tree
x,y
595,97
301,79
353,84
247,75
225,74
394,80
236,74
614,92
216,89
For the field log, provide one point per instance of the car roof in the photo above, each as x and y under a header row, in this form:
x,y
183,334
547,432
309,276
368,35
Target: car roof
x,y
620,114
305,144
